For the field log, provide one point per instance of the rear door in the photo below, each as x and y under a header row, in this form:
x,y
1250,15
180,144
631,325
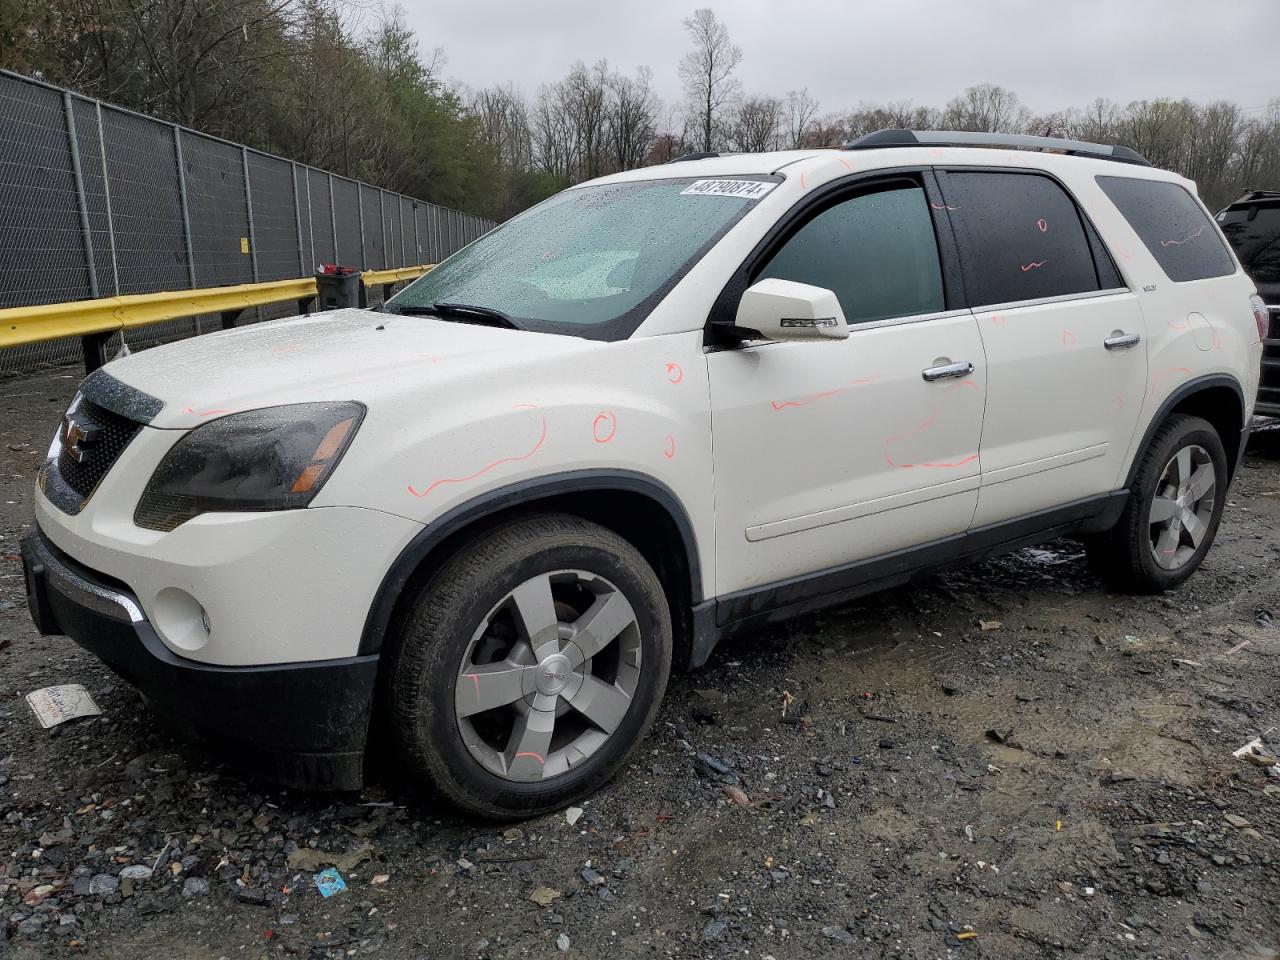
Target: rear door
x,y
831,452
1063,337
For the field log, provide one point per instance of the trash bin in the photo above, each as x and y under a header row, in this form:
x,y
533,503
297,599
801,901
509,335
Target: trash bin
x,y
338,287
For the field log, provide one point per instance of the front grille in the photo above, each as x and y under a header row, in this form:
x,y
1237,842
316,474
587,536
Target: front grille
x,y
114,433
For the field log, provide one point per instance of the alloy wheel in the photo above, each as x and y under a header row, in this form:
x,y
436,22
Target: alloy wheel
x,y
548,676
1182,508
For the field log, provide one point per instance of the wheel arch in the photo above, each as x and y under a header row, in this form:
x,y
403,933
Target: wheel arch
x,y
1218,398
638,507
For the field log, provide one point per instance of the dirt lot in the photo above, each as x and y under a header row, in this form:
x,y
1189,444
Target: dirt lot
x,y
1004,762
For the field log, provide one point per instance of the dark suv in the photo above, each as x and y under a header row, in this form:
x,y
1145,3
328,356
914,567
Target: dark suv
x,y
1252,225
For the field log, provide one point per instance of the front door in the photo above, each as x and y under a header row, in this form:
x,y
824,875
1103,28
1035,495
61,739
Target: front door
x,y
827,453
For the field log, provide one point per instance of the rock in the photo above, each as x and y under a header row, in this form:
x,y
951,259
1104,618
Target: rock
x,y
573,815
715,931
30,927
713,765
591,878
951,686
195,887
707,705
103,884
1236,821
986,626
562,943
839,935
737,795
545,896
136,872
825,798
254,896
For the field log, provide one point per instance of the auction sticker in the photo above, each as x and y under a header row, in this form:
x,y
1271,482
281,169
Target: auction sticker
x,y
55,705
750,189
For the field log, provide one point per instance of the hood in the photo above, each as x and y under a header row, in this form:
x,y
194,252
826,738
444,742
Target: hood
x,y
335,355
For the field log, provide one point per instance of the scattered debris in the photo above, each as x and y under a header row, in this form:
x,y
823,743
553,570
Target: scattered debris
x,y
55,705
329,881
562,943
737,795
306,858
573,815
988,625
545,896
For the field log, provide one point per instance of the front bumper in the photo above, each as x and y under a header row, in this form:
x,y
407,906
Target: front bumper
x,y
297,724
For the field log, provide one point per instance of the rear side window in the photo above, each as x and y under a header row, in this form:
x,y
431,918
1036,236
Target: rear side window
x,y
875,251
1172,226
1020,237
1254,234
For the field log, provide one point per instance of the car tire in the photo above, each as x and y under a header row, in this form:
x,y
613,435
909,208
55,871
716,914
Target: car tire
x,y
506,694
1153,547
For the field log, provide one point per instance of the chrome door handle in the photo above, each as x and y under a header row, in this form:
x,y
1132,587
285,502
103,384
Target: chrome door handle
x,y
1123,342
948,371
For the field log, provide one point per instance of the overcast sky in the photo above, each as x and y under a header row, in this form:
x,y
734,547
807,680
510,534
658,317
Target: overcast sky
x,y
1053,54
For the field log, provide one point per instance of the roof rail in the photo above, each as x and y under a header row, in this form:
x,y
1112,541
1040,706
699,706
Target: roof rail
x,y
1251,195
694,156
959,138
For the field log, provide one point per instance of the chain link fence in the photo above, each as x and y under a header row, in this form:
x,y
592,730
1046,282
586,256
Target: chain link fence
x,y
99,201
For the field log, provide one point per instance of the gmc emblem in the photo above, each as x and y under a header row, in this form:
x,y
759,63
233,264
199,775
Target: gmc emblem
x,y
78,437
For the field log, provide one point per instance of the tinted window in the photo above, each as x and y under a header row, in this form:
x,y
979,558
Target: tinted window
x,y
1254,234
1172,226
1020,238
876,251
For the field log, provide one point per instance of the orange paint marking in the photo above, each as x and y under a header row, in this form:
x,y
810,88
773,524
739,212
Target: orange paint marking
x,y
1118,400
1167,372
1178,243
1217,338
943,206
998,320
486,468
1033,264
476,680
928,422
530,753
1126,254
675,373
847,165
669,450
813,397
803,185
604,427
205,413
1069,339
1043,224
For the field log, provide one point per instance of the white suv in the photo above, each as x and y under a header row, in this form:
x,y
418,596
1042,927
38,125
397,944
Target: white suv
x,y
480,525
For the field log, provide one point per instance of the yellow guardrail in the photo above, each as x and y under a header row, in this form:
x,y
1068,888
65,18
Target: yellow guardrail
x,y
79,318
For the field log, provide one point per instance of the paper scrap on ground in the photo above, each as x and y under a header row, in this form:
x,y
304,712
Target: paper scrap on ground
x,y
55,705
328,881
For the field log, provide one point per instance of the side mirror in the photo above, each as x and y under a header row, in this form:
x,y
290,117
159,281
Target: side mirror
x,y
785,310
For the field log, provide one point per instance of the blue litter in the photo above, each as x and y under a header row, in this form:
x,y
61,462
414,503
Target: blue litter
x,y
329,881
857,759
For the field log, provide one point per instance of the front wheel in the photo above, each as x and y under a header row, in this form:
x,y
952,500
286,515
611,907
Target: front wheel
x,y
531,666
1174,508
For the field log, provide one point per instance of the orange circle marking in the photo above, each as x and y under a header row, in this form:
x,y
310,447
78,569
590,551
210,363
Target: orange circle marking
x,y
604,427
675,373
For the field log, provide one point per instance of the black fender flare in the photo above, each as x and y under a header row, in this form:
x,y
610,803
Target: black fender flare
x,y
523,492
1183,391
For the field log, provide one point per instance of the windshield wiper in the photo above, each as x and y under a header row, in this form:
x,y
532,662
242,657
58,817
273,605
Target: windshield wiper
x,y
464,311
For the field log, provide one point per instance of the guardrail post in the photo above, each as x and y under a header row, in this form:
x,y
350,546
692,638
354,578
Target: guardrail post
x,y
297,215
93,347
229,318
417,244
382,220
248,203
182,196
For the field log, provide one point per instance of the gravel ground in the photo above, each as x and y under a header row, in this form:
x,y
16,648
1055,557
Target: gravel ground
x,y
1003,762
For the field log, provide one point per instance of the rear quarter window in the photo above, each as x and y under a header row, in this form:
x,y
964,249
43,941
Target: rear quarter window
x,y
1172,226
1254,234
1020,236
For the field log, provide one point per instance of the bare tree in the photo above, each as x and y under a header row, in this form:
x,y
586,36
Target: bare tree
x,y
801,111
986,108
631,118
707,74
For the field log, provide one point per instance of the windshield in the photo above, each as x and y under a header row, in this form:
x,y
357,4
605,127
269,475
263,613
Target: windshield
x,y
592,261
1254,234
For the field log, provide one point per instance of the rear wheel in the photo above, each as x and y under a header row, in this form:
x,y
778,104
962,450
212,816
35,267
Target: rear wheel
x,y
1174,508
531,665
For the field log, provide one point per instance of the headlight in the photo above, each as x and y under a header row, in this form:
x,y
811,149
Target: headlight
x,y
277,458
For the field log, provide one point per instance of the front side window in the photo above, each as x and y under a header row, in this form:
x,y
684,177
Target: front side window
x,y
591,261
1254,234
1020,237
875,251
1172,226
